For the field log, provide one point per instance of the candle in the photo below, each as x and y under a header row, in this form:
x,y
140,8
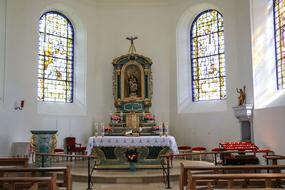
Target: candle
x,y
103,129
160,129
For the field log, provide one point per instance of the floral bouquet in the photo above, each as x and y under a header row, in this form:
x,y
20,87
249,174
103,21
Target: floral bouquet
x,y
108,129
132,155
155,128
115,118
149,117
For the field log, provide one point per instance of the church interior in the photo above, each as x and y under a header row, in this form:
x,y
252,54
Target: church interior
x,y
135,94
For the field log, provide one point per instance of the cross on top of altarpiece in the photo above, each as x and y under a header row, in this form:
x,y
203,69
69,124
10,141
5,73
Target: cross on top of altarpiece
x,y
132,48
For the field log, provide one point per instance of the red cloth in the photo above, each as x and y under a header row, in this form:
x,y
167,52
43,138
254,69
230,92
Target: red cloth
x,y
184,148
218,149
198,149
71,145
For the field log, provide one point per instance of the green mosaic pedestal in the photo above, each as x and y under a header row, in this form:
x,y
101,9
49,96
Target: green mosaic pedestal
x,y
43,142
115,157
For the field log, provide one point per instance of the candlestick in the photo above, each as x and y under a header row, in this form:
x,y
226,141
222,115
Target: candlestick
x,y
96,129
103,129
166,128
160,129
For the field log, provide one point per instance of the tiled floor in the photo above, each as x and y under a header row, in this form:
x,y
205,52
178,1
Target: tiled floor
x,y
148,186
142,179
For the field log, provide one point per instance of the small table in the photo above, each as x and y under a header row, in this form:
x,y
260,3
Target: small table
x,y
274,158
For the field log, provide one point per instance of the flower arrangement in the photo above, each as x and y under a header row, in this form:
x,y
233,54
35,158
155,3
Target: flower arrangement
x,y
148,116
108,129
156,128
132,155
115,118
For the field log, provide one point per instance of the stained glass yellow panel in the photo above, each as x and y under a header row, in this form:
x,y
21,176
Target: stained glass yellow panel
x,y
208,57
279,24
55,58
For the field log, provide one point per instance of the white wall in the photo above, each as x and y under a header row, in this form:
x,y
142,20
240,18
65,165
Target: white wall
x,y
2,48
209,128
107,23
269,102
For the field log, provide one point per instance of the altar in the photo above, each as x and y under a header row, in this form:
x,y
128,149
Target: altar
x,y
133,135
112,151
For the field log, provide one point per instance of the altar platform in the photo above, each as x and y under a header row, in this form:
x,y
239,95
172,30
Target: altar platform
x,y
114,151
125,176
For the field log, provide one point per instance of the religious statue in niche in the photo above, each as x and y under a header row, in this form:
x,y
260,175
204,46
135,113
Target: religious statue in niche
x,y
132,89
133,85
132,81
242,96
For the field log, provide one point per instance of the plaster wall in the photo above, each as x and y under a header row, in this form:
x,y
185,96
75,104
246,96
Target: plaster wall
x,y
106,25
208,128
269,102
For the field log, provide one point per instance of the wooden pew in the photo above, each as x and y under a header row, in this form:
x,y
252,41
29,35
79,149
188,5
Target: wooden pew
x,y
14,161
230,178
65,170
13,182
221,169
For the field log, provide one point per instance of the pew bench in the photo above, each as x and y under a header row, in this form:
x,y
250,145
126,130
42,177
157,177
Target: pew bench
x,y
67,179
222,169
33,182
24,162
230,178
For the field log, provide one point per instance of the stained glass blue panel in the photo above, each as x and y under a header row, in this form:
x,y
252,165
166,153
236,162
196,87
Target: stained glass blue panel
x,y
279,24
55,58
208,57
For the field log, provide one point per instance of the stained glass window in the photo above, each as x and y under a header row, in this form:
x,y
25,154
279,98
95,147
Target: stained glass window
x,y
208,57
279,22
55,58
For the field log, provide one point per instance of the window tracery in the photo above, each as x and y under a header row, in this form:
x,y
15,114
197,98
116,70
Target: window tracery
x,y
55,58
208,57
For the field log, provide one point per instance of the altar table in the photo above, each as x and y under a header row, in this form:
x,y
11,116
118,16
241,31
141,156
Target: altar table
x,y
111,149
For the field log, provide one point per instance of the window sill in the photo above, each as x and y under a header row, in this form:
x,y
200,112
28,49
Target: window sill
x,y
56,108
203,106
271,99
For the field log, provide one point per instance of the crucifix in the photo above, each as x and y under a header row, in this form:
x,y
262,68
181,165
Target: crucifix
x,y
132,48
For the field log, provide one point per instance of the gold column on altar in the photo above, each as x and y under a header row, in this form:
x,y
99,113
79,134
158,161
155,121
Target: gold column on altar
x,y
132,120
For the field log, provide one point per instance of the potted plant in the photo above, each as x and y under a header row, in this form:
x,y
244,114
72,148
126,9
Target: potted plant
x,y
132,157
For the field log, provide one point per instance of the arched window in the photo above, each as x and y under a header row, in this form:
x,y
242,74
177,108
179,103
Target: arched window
x,y
55,58
279,24
208,57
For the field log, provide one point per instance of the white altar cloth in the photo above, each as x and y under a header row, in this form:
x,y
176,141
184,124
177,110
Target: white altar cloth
x,y
123,141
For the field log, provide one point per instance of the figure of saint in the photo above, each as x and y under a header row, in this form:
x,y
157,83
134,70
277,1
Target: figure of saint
x,y
133,85
242,96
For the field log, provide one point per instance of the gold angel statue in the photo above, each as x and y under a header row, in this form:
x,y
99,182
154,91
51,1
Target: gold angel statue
x,y
242,96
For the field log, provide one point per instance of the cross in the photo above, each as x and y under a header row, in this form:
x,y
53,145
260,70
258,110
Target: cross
x,y
132,39
132,48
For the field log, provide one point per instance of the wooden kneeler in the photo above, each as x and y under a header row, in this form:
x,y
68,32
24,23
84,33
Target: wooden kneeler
x,y
14,182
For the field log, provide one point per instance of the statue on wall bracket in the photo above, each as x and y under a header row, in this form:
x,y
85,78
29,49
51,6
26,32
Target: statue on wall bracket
x,y
242,96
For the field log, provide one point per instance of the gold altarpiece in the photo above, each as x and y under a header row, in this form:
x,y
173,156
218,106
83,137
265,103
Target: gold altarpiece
x,y
132,91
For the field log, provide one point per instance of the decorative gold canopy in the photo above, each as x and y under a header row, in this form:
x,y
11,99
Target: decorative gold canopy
x,y
132,81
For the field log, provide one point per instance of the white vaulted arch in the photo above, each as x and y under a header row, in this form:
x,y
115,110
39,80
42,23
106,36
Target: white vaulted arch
x,y
184,81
